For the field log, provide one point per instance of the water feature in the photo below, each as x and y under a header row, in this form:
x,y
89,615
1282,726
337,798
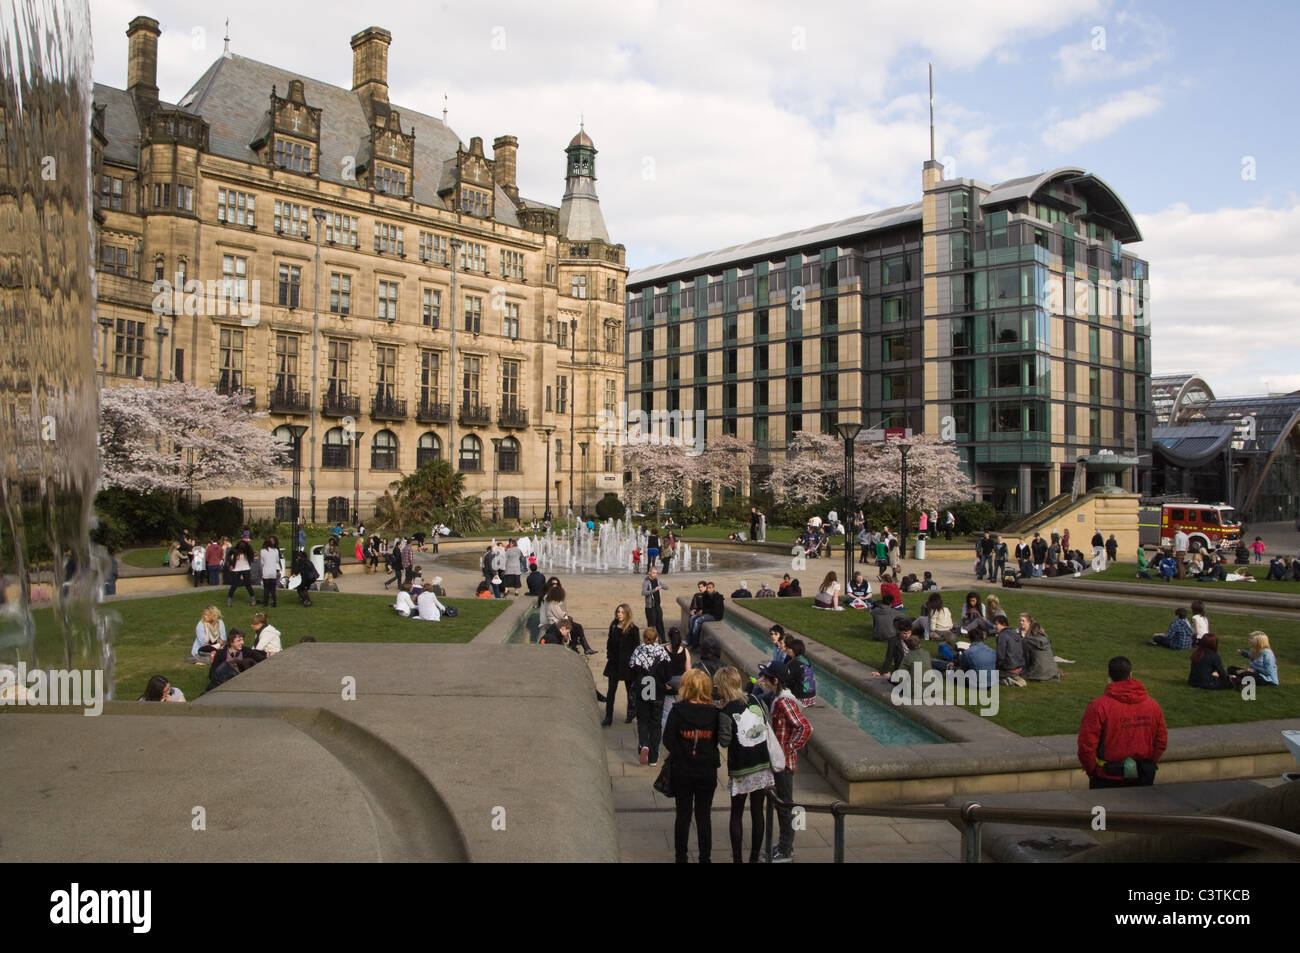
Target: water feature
x,y
49,465
879,720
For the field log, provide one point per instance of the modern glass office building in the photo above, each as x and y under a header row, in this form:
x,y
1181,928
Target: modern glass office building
x,y
1007,318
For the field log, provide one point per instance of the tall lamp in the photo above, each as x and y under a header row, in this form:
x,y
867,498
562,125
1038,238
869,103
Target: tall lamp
x,y
496,472
903,448
319,215
583,446
849,432
573,399
356,475
546,436
297,430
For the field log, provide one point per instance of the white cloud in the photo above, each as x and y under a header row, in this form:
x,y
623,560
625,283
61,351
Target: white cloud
x,y
1224,292
1068,134
1130,44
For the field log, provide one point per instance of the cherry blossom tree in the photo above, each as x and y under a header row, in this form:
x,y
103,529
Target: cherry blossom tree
x,y
665,469
182,437
813,470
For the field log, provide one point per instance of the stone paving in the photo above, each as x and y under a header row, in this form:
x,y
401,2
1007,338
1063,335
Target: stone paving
x,y
647,837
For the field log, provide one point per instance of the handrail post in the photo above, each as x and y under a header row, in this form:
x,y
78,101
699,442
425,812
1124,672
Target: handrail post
x,y
971,834
838,814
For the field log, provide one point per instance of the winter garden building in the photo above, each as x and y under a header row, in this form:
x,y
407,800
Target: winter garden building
x,y
1006,317
458,320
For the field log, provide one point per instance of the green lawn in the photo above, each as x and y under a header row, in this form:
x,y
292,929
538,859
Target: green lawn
x,y
153,636
1127,572
1090,632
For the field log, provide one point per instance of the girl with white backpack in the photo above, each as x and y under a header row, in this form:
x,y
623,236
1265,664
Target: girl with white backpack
x,y
749,766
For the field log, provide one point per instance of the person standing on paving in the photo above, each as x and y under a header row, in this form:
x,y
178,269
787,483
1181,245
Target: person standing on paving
x,y
651,587
1123,733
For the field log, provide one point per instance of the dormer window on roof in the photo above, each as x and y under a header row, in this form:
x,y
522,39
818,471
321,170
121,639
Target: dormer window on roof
x,y
293,156
475,202
390,181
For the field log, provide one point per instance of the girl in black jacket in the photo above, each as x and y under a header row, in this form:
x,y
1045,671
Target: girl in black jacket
x,y
694,731
1207,668
624,636
749,772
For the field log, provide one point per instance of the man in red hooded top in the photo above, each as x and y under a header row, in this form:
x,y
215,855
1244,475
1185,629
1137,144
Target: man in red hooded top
x,y
1122,734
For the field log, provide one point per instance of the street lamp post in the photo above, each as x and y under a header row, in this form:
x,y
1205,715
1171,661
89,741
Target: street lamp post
x,y
452,453
583,508
319,215
546,436
496,472
903,448
106,323
297,430
848,431
573,399
162,331
356,475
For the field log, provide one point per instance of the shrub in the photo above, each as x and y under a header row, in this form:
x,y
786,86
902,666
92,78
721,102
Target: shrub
x,y
610,507
219,517
133,517
974,516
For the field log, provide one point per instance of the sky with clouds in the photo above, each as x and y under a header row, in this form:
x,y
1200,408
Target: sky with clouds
x,y
722,122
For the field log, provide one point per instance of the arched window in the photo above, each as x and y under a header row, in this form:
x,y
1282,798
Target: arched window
x,y
471,454
428,449
336,454
339,509
284,436
383,451
508,456
510,507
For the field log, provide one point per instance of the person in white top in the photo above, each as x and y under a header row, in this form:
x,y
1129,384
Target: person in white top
x,y
269,559
268,636
198,564
1200,621
1181,544
828,596
404,606
430,609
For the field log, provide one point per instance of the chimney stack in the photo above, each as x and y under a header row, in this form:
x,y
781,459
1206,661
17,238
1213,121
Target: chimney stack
x,y
142,60
505,150
370,63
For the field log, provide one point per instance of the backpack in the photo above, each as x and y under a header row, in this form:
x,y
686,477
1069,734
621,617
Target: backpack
x,y
450,612
807,679
751,725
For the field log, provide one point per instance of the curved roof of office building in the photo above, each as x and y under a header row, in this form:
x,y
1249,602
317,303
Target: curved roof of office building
x,y
1174,395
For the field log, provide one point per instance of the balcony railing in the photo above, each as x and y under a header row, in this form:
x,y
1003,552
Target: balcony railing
x,y
290,402
432,412
513,418
388,408
475,414
341,405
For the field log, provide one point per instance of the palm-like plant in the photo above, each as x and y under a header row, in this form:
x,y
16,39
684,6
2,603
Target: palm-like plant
x,y
433,493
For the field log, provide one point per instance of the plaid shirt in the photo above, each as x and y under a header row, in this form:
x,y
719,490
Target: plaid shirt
x,y
791,728
407,556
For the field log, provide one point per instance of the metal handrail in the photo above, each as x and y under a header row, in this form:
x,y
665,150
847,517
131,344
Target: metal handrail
x,y
971,816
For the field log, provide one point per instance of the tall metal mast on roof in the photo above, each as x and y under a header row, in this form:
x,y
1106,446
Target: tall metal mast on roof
x,y
931,112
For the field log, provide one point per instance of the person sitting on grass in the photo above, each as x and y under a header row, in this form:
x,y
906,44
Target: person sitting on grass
x,y
1179,634
161,690
231,660
1278,568
828,594
1168,567
1040,659
937,619
209,635
979,656
268,636
927,582
1144,564
1207,669
903,641
483,590
1263,663
890,594
428,608
405,605
1011,652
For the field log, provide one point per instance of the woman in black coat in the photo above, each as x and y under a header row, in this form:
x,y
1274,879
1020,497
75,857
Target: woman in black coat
x,y
624,636
1207,669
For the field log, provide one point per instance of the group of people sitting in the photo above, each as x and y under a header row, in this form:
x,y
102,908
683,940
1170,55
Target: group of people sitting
x,y
227,654
1203,567
421,601
1018,656
1284,569
859,596
1207,668
789,665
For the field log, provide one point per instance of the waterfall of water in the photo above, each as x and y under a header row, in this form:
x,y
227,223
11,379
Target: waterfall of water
x,y
49,464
